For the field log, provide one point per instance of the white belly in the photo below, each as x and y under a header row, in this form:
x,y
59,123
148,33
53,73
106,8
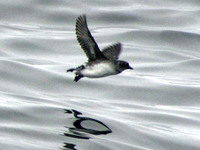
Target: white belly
x,y
98,70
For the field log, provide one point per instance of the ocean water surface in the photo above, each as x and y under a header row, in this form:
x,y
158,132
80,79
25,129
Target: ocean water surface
x,y
154,107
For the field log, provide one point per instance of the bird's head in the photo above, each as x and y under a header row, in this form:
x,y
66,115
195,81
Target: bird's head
x,y
123,65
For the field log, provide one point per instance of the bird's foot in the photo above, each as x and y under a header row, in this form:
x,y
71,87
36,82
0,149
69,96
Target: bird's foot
x,y
78,77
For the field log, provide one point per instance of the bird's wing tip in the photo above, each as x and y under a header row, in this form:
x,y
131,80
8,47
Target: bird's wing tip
x,y
83,16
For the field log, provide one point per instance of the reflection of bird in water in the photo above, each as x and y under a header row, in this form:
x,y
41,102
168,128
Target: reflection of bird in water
x,y
100,63
69,146
78,130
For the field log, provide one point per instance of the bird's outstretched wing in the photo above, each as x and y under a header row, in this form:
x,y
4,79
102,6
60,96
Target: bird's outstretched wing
x,y
113,51
86,40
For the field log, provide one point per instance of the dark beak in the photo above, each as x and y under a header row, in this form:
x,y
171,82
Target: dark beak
x,y
130,68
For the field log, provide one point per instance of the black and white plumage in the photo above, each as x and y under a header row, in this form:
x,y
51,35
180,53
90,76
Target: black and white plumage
x,y
100,63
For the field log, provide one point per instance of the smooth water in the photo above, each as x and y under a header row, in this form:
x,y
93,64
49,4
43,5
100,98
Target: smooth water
x,y
154,107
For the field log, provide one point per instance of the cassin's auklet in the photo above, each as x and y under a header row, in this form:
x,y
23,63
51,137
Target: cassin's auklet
x,y
100,63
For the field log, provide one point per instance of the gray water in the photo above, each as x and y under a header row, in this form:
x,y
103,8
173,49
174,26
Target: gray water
x,y
154,107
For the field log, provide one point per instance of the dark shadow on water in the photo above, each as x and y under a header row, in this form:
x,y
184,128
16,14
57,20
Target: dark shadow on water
x,y
78,129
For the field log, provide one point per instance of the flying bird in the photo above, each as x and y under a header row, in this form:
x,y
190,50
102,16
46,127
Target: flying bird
x,y
100,63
